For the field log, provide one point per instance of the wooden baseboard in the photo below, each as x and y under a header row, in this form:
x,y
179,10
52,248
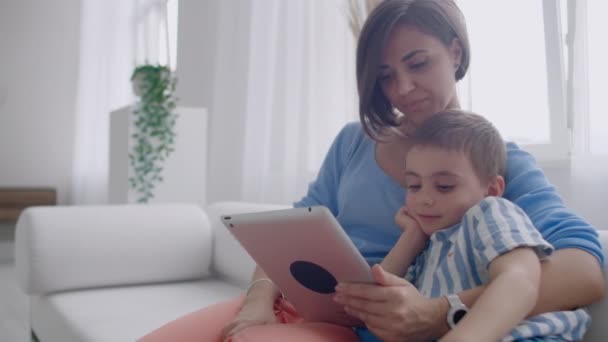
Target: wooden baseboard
x,y
10,214
14,200
19,197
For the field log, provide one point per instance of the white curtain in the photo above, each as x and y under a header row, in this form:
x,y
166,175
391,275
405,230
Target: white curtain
x,y
155,30
106,62
115,35
300,92
300,89
589,74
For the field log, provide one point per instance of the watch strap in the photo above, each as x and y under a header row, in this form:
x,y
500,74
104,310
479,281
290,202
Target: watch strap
x,y
457,310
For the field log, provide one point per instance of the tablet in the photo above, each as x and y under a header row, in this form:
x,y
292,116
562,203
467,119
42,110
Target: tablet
x,y
306,253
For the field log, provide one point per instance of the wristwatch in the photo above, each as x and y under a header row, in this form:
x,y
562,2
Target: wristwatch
x,y
457,310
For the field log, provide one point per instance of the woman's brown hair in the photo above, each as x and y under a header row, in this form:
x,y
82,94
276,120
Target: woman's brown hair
x,y
439,18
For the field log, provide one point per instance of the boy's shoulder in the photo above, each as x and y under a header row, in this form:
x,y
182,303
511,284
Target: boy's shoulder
x,y
499,216
496,226
490,204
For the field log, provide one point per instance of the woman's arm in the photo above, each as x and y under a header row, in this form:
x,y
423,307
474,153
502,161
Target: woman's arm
x,y
258,306
573,277
507,299
265,292
324,189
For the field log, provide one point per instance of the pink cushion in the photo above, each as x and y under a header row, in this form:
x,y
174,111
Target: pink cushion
x,y
207,324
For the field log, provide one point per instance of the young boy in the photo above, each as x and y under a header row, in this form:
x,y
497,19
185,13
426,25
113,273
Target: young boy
x,y
454,177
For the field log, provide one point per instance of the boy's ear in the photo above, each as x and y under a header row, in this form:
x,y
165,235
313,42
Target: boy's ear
x,y
496,187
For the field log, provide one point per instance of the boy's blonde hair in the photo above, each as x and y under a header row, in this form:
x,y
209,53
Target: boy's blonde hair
x,y
470,133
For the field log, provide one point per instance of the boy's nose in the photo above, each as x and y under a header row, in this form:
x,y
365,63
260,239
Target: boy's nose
x,y
428,201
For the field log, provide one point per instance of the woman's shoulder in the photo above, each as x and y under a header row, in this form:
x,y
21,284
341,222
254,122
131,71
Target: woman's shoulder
x,y
352,130
513,148
351,137
519,159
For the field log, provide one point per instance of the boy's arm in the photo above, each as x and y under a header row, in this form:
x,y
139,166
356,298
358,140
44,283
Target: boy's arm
x,y
404,252
506,300
410,243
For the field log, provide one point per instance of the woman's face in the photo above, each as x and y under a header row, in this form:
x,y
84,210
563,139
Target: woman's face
x,y
417,73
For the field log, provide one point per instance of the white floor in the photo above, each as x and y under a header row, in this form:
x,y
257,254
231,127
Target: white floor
x,y
13,303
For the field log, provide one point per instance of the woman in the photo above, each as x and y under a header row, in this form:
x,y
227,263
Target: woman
x,y
410,55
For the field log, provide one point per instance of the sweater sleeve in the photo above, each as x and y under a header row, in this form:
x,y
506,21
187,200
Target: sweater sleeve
x,y
324,189
527,186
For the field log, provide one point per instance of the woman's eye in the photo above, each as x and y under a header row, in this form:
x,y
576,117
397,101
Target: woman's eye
x,y
445,188
419,65
383,78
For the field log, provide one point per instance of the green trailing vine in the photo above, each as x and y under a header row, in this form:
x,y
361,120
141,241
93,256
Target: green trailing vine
x,y
154,127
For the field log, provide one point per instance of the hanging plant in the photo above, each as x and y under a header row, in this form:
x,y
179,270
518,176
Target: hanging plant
x,y
154,127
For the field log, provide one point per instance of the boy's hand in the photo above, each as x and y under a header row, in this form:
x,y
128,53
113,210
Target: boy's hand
x,y
405,221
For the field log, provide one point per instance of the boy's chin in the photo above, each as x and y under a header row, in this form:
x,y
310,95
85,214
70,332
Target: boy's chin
x,y
429,230
433,228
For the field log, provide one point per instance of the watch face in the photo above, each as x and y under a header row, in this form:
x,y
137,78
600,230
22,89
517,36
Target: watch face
x,y
458,315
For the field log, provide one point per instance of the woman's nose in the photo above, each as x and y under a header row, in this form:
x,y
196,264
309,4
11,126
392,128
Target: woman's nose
x,y
405,85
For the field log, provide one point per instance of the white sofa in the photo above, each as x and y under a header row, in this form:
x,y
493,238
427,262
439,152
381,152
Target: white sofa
x,y
114,273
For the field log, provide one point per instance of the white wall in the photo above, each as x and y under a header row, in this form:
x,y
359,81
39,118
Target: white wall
x,y
212,57
584,187
38,75
38,72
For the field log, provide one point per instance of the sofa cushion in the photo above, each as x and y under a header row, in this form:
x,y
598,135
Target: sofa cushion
x,y
74,247
121,313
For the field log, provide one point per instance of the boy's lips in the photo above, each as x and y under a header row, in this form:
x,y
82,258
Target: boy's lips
x,y
428,217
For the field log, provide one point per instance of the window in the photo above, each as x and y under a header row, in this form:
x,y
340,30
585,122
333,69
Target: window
x,y
538,72
597,26
516,76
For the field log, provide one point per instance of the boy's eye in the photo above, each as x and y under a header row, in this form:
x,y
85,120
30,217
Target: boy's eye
x,y
413,187
445,188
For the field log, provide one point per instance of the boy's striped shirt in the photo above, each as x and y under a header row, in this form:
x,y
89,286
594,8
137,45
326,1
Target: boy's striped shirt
x,y
457,258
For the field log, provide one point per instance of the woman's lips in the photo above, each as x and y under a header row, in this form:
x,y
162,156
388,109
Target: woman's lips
x,y
415,106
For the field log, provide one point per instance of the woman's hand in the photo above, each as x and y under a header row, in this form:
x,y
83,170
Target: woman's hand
x,y
253,312
393,309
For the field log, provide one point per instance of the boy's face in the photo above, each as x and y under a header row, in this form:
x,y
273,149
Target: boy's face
x,y
441,186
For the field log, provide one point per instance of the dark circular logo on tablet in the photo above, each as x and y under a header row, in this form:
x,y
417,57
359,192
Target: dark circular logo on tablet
x,y
313,276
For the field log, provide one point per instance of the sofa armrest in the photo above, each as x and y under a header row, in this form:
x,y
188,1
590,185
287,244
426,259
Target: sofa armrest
x,y
70,247
230,261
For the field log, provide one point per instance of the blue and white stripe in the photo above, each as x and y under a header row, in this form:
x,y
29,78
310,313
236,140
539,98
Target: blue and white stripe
x,y
457,258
